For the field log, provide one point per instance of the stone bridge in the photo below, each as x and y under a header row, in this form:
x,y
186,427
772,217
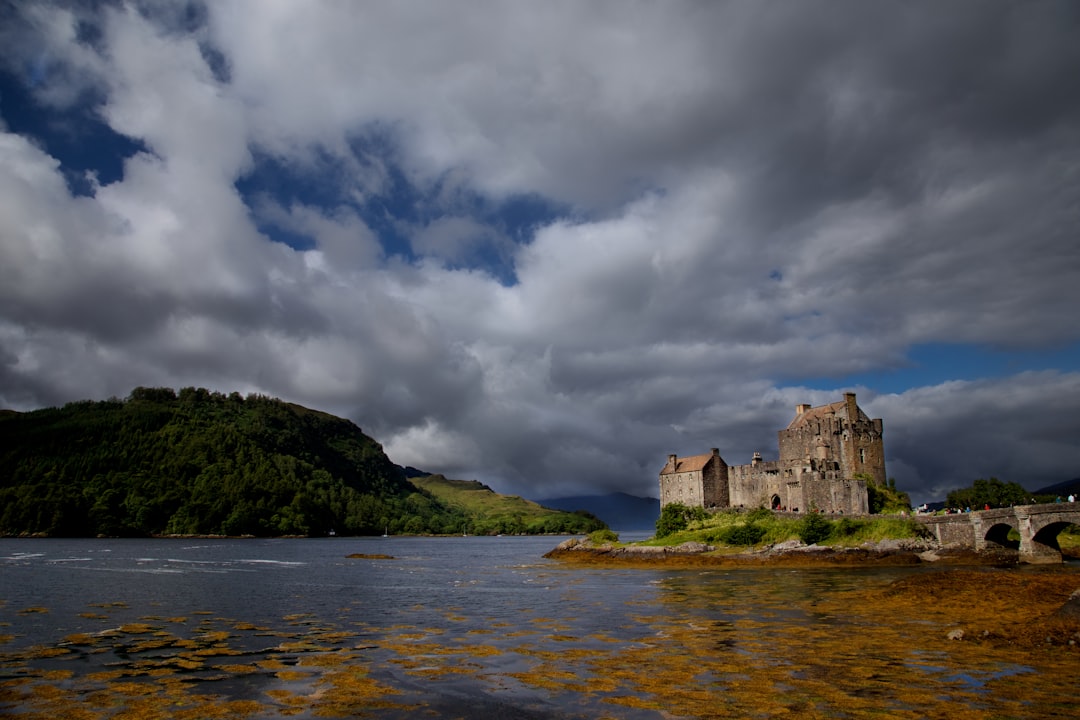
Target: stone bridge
x,y
1038,526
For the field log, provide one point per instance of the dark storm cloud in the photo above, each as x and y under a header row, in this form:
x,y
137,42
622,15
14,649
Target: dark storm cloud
x,y
737,198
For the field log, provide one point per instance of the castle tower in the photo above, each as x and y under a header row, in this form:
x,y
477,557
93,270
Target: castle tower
x,y
839,436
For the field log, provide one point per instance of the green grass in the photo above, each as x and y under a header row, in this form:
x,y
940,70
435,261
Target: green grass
x,y
731,527
491,513
1069,538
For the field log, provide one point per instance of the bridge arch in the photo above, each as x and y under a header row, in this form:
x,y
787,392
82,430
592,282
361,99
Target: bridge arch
x,y
998,534
1048,534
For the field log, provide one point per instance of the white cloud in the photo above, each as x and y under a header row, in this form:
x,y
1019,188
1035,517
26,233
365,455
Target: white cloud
x,y
754,199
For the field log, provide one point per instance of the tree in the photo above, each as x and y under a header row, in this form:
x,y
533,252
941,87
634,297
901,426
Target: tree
x,y
992,492
814,528
884,498
675,517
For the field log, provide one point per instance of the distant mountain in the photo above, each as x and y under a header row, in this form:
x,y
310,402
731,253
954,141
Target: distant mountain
x,y
491,513
1063,488
619,510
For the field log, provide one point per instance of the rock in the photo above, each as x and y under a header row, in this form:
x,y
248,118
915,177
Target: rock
x,y
815,548
929,556
1071,608
888,545
642,550
956,634
786,546
693,547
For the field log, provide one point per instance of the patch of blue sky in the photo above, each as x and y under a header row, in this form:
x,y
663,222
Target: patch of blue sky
x,y
326,182
392,206
931,364
76,136
515,218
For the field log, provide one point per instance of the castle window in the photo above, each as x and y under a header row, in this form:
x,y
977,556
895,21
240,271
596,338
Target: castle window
x,y
862,455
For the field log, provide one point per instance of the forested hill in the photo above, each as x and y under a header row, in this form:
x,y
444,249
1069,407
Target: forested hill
x,y
198,462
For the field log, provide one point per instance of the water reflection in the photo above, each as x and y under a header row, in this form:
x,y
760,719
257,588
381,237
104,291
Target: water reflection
x,y
469,628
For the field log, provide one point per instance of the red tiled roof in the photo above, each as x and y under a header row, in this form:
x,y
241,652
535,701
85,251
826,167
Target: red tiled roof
x,y
691,463
817,413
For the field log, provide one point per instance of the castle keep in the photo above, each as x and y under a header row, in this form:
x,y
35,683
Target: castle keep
x,y
825,454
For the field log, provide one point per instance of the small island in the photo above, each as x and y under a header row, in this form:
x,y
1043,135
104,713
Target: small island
x,y
762,538
826,501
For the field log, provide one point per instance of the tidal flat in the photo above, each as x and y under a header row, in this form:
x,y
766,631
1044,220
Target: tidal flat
x,y
484,627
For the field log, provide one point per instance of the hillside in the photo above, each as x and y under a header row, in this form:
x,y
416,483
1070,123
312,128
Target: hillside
x,y
197,462
619,510
1069,487
491,512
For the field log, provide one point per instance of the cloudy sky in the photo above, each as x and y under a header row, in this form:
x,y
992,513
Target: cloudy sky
x,y
543,245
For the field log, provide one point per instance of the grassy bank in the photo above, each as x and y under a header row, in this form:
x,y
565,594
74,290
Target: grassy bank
x,y
760,527
737,530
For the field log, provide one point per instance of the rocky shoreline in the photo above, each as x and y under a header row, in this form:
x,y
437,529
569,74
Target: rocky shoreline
x,y
787,554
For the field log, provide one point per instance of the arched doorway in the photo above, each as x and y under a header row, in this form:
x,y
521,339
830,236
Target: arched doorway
x,y
775,504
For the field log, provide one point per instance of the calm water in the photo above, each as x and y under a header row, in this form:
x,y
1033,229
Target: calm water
x,y
460,627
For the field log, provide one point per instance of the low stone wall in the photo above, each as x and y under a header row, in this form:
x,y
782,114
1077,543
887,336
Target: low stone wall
x,y
950,529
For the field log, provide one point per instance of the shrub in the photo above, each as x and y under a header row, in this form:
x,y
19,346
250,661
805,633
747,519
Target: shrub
x,y
846,527
673,518
758,514
748,534
814,528
600,537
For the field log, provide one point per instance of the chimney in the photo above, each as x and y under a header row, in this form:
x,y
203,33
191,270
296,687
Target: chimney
x,y
757,459
850,406
672,462
800,409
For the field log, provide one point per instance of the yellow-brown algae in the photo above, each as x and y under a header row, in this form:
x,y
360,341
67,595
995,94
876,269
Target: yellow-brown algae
x,y
82,639
344,693
327,659
137,628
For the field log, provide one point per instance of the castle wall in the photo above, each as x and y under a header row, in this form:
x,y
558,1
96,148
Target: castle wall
x,y
836,496
704,487
715,479
821,452
754,485
686,488
763,484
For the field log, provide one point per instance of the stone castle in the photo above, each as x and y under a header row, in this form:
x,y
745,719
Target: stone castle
x,y
826,455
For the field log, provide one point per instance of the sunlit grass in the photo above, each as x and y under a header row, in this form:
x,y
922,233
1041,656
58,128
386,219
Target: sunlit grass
x,y
845,531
